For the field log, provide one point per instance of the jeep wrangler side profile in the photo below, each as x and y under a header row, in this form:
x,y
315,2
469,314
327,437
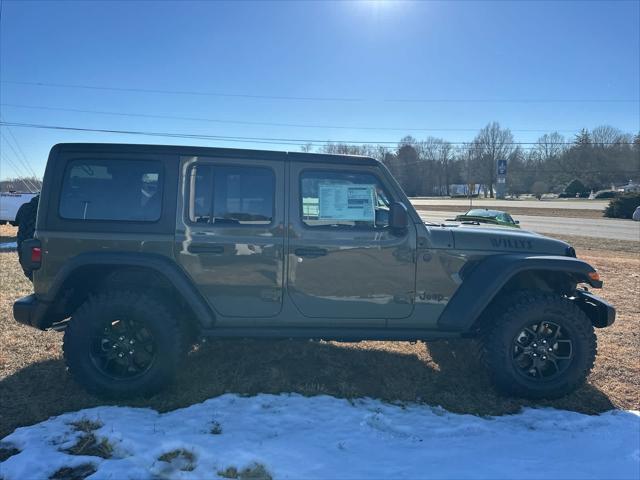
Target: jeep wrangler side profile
x,y
141,249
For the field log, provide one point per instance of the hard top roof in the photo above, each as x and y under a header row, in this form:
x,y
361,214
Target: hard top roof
x,y
227,153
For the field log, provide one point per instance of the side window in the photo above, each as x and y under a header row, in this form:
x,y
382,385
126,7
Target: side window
x,y
231,195
343,199
116,190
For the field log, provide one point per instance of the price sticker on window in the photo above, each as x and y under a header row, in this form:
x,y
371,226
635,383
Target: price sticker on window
x,y
347,202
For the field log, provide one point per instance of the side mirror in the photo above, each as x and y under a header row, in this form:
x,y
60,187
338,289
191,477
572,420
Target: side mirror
x,y
398,217
517,222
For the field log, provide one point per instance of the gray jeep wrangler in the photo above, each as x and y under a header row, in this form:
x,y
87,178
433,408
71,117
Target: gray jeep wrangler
x,y
140,250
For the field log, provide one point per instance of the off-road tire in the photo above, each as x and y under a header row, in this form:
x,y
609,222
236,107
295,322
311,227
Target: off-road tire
x,y
525,308
26,219
89,319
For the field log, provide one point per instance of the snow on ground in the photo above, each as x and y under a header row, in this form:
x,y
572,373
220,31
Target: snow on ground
x,y
323,437
8,245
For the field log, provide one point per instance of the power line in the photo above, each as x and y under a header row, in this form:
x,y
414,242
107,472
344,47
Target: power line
x,y
267,140
270,124
319,98
15,153
187,92
25,160
27,183
25,178
157,134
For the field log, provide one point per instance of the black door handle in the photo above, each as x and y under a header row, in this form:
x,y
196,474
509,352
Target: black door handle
x,y
311,252
206,248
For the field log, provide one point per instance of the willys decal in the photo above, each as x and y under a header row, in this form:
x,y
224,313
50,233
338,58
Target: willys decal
x,y
512,243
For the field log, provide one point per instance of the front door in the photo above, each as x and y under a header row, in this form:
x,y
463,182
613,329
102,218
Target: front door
x,y
344,260
230,238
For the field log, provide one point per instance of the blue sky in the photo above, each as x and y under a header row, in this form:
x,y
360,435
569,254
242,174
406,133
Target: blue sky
x,y
358,60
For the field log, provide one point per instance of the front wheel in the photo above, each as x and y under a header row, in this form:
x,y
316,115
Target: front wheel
x,y
123,344
541,346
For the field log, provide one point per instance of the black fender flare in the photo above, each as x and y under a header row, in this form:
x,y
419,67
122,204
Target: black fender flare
x,y
485,280
158,263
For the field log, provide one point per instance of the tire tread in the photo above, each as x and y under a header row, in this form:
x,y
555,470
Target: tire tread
x,y
95,306
496,350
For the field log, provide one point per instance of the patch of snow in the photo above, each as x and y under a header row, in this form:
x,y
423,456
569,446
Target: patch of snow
x,y
8,245
325,437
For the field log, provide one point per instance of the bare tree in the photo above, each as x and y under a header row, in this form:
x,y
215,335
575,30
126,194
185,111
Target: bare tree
x,y
539,188
21,184
606,136
445,158
470,158
438,157
494,143
549,146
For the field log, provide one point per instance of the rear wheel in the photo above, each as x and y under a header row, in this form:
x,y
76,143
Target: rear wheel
x,y
541,346
123,344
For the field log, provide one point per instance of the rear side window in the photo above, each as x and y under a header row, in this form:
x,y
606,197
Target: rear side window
x,y
115,190
228,195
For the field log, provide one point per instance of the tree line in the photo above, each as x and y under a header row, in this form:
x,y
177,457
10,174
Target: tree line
x,y
21,184
598,158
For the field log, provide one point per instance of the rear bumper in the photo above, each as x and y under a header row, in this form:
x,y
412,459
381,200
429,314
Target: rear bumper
x,y
31,311
601,312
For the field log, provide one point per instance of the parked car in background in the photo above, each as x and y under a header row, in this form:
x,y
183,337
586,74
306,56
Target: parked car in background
x,y
494,217
636,214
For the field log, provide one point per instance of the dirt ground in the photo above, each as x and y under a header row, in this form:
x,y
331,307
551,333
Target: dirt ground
x,y
515,211
34,384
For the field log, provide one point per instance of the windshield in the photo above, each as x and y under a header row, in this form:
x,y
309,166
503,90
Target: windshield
x,y
482,213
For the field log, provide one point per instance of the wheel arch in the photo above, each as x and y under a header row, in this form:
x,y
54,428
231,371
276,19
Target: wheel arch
x,y
491,279
91,272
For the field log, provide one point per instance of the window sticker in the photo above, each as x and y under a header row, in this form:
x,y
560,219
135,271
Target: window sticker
x,y
347,202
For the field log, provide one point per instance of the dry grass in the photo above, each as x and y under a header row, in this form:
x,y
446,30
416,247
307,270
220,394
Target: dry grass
x,y
515,211
87,443
7,451
256,471
8,233
34,384
183,460
79,472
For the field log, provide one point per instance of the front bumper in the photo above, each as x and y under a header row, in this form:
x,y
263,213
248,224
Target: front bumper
x,y
601,312
31,311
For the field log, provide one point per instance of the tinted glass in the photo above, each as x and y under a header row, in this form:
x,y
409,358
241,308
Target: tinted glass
x,y
231,195
119,190
343,199
482,213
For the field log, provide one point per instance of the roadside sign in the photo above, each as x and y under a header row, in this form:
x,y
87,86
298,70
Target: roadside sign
x,y
502,167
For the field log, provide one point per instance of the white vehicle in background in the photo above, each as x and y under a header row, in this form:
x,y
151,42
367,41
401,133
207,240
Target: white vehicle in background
x,y
10,203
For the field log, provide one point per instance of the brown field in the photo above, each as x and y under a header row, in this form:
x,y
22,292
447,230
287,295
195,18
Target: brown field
x,y
515,211
34,384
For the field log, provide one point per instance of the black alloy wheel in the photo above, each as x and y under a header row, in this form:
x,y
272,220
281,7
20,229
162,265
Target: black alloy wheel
x,y
123,349
542,351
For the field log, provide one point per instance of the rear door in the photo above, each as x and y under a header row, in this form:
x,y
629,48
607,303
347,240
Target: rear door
x,y
230,235
344,261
